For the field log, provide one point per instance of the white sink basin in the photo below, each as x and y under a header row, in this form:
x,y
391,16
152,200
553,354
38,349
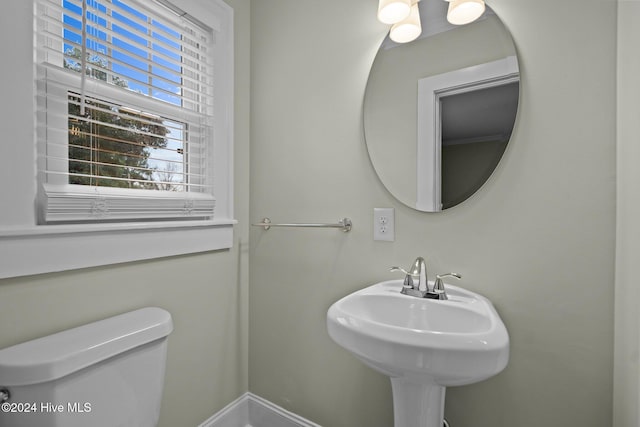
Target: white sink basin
x,y
427,344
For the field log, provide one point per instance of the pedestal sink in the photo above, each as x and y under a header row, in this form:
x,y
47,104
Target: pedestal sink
x,y
423,345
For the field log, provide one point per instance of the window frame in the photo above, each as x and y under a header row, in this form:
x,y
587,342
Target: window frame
x,y
29,248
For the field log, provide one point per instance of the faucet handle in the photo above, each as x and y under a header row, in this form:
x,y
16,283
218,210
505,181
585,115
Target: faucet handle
x,y
395,268
408,278
438,286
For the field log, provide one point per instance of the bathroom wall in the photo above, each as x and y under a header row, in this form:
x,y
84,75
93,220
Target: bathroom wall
x,y
205,293
537,239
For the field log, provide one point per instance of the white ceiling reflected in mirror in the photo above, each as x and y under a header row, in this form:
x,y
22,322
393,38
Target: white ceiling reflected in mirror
x,y
439,111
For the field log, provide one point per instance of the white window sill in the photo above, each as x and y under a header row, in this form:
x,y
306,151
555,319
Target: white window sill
x,y
52,248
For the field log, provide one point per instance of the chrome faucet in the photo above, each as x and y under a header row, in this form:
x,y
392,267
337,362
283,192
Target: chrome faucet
x,y
417,271
422,290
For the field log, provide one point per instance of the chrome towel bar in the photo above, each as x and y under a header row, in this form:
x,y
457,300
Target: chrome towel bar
x,y
344,224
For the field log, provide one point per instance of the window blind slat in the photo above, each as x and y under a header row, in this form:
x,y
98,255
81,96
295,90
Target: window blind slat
x,y
54,34
187,83
140,184
59,78
191,38
194,67
199,187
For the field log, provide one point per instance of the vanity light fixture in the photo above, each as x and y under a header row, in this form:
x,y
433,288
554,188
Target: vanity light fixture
x,y
393,11
408,29
464,11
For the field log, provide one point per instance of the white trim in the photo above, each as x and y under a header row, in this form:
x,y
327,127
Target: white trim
x,y
25,251
250,410
263,413
626,353
428,153
235,414
43,230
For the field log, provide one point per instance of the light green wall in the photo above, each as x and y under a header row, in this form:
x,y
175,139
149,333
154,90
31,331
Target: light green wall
x,y
205,293
537,239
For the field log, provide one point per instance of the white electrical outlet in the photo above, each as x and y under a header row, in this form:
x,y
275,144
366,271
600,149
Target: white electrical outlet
x,y
384,227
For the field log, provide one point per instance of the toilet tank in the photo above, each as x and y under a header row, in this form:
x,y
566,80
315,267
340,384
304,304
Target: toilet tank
x,y
109,373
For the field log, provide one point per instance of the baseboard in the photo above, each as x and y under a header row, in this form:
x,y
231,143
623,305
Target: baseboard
x,y
235,414
250,410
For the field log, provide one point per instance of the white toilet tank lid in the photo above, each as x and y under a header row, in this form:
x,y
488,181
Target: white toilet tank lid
x,y
54,356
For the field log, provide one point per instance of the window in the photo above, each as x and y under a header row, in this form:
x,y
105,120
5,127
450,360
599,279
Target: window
x,y
125,112
131,159
111,145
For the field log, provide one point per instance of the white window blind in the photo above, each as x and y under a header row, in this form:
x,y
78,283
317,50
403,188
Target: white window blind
x,y
125,102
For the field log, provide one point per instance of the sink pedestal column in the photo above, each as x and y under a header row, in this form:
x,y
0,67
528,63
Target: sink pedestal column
x,y
417,404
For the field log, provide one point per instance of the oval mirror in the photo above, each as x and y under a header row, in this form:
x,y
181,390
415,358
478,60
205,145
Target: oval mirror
x,y
439,111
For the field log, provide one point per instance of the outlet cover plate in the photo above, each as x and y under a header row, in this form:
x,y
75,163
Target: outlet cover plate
x,y
384,227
